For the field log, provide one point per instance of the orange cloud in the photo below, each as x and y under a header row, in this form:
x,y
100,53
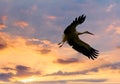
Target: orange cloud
x,y
21,24
67,61
2,21
21,72
118,30
20,53
118,47
3,44
2,26
51,17
4,18
44,61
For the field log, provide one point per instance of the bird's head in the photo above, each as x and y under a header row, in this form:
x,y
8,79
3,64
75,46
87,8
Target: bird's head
x,y
86,32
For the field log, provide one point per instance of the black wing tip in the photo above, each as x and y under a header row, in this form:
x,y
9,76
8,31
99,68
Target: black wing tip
x,y
80,19
83,16
94,54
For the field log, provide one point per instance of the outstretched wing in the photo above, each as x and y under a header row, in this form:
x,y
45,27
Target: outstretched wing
x,y
74,24
82,47
77,44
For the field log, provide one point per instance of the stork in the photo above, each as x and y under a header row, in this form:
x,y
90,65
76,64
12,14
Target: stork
x,y
71,35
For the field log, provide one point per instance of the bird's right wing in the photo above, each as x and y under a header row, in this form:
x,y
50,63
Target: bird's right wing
x,y
83,47
74,24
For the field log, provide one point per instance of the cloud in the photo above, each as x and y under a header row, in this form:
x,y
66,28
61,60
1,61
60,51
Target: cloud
x,y
25,55
45,51
61,73
51,82
114,27
89,80
20,71
3,18
33,39
51,17
110,7
34,8
28,57
112,31
45,45
67,61
2,26
3,43
29,61
118,30
118,47
2,22
114,66
21,24
78,81
6,76
24,71
7,68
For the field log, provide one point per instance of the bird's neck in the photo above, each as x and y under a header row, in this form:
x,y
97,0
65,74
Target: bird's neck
x,y
80,33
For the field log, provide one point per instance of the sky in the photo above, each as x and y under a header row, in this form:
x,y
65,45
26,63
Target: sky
x,y
31,29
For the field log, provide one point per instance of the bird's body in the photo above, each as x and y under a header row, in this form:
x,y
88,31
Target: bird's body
x,y
72,38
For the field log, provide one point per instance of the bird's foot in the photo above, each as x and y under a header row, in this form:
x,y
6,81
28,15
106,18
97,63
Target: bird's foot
x,y
59,43
60,46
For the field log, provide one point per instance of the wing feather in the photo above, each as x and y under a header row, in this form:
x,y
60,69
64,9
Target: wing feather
x,y
83,48
74,24
77,44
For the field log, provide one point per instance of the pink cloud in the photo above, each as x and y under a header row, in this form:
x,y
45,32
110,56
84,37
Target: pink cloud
x,y
2,26
4,18
34,8
51,17
114,27
21,24
110,7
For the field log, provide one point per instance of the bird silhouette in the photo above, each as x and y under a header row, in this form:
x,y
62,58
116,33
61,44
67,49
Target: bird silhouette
x,y
72,38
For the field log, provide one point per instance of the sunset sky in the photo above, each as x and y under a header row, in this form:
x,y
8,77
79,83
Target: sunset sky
x,y
31,29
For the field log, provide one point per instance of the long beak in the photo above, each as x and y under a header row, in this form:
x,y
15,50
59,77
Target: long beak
x,y
90,33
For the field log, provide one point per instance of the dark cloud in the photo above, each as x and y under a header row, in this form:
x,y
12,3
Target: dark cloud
x,y
45,51
95,69
67,61
118,47
22,68
90,80
6,76
113,66
73,73
21,71
51,82
3,44
24,71
74,81
65,73
7,68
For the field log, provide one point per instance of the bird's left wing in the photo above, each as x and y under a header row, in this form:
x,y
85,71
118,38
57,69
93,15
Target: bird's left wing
x,y
74,24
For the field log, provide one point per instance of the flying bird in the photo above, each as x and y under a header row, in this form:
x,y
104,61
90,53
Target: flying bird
x,y
71,35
